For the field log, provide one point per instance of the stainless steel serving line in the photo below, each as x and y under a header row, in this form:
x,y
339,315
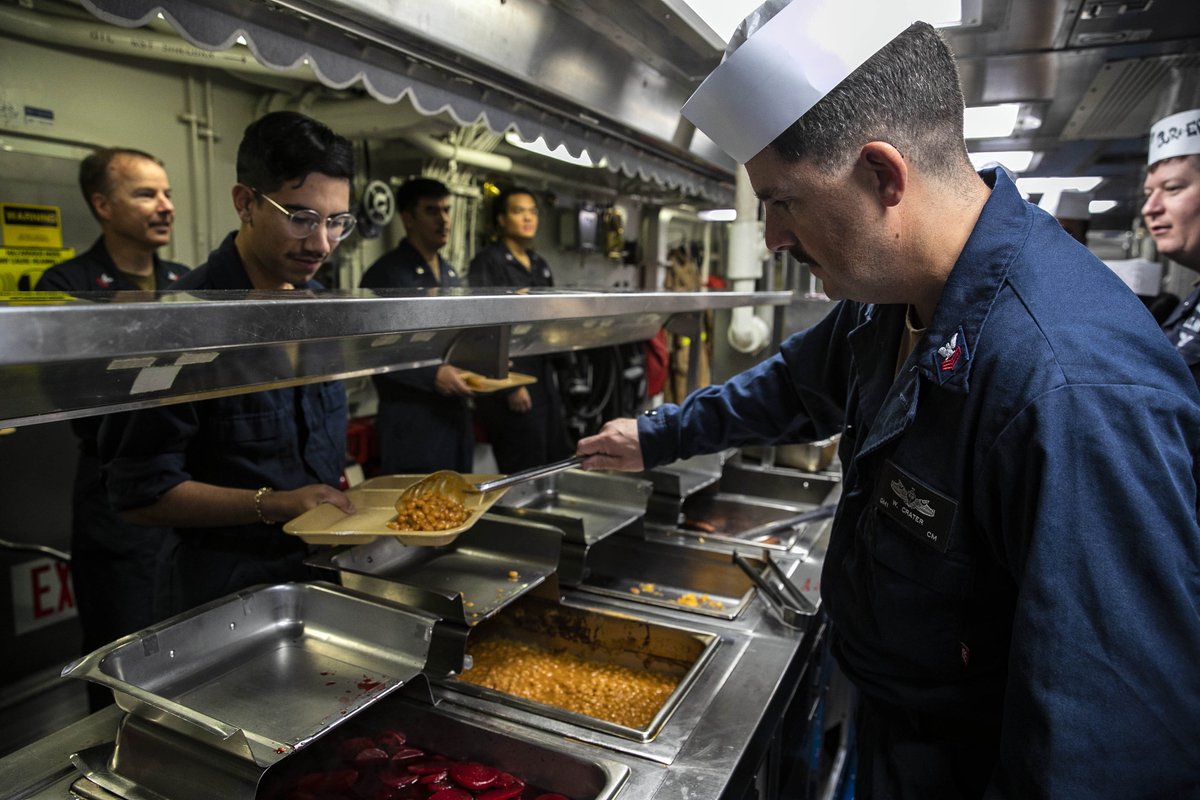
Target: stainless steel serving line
x,y
64,356
725,725
709,740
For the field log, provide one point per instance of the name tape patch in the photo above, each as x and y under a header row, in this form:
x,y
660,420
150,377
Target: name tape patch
x,y
925,513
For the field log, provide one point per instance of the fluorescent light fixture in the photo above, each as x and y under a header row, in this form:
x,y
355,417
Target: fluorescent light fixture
x,y
1028,186
721,17
1100,206
990,122
1016,160
718,214
560,153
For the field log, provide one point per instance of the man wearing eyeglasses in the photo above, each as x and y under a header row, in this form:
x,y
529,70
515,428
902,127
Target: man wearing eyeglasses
x,y
223,473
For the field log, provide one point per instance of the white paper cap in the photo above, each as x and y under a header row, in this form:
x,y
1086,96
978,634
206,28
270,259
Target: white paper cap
x,y
1176,135
781,61
1067,204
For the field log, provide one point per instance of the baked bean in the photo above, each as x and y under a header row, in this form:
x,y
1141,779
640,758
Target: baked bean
x,y
592,688
429,511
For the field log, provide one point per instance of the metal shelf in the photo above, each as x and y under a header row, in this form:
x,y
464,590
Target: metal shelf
x,y
68,356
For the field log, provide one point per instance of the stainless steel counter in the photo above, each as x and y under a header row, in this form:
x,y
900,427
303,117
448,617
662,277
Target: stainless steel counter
x,y
710,748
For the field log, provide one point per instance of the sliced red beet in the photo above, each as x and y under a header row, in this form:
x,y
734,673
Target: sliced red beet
x,y
437,786
552,796
503,793
435,777
450,794
340,780
348,749
474,776
391,740
397,779
407,754
311,782
425,767
371,757
506,779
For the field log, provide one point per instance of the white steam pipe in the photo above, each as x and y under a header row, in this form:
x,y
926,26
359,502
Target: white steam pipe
x,y
748,332
448,152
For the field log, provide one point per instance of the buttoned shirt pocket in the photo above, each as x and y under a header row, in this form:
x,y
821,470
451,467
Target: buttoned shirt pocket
x,y
919,601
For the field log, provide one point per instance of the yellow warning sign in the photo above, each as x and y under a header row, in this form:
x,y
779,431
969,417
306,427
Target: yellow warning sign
x,y
23,225
20,267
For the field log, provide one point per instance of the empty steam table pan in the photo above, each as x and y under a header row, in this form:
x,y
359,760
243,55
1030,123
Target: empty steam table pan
x,y
263,671
488,566
585,506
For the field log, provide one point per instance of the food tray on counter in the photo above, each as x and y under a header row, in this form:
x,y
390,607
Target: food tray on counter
x,y
481,384
263,671
375,506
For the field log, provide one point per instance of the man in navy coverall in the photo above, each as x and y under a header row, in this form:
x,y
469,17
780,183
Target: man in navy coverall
x,y
113,562
424,419
1013,572
225,472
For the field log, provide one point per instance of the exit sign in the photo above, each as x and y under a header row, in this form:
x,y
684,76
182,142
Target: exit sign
x,y
41,594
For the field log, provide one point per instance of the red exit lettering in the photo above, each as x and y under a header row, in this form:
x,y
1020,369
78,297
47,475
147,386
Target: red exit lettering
x,y
50,585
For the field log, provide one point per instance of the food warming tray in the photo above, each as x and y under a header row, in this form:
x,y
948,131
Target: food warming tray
x,y
586,506
263,671
488,566
374,507
686,579
154,762
603,636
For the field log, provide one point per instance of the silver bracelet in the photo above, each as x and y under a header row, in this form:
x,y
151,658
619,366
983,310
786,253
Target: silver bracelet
x,y
258,496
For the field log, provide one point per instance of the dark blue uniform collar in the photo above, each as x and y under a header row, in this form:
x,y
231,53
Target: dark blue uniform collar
x,y
411,255
224,270
165,272
946,351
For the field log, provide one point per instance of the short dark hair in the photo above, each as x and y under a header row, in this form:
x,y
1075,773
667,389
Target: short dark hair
x,y
286,146
500,204
412,192
93,171
907,94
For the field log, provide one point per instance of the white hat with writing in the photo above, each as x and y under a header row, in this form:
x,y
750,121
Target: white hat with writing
x,y
1176,135
782,60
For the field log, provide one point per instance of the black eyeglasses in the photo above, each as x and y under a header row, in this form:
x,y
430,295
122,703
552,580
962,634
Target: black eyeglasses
x,y
303,222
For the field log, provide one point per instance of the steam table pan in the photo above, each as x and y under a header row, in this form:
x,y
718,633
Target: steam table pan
x,y
585,506
264,671
494,562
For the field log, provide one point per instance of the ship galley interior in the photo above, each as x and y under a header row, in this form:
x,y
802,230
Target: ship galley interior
x,y
599,399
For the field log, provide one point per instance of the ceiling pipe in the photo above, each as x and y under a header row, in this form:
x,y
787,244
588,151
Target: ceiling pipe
x,y
448,152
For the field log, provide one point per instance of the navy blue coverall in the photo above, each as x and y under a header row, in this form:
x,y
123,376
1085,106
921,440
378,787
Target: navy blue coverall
x,y
536,437
1182,328
282,438
112,561
1014,568
419,429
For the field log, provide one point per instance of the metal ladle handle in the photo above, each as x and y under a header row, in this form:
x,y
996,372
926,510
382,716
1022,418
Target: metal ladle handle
x,y
533,473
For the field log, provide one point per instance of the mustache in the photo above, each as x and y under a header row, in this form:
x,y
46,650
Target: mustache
x,y
801,256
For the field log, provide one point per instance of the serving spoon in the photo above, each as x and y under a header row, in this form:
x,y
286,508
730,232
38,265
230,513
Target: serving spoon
x,y
449,483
